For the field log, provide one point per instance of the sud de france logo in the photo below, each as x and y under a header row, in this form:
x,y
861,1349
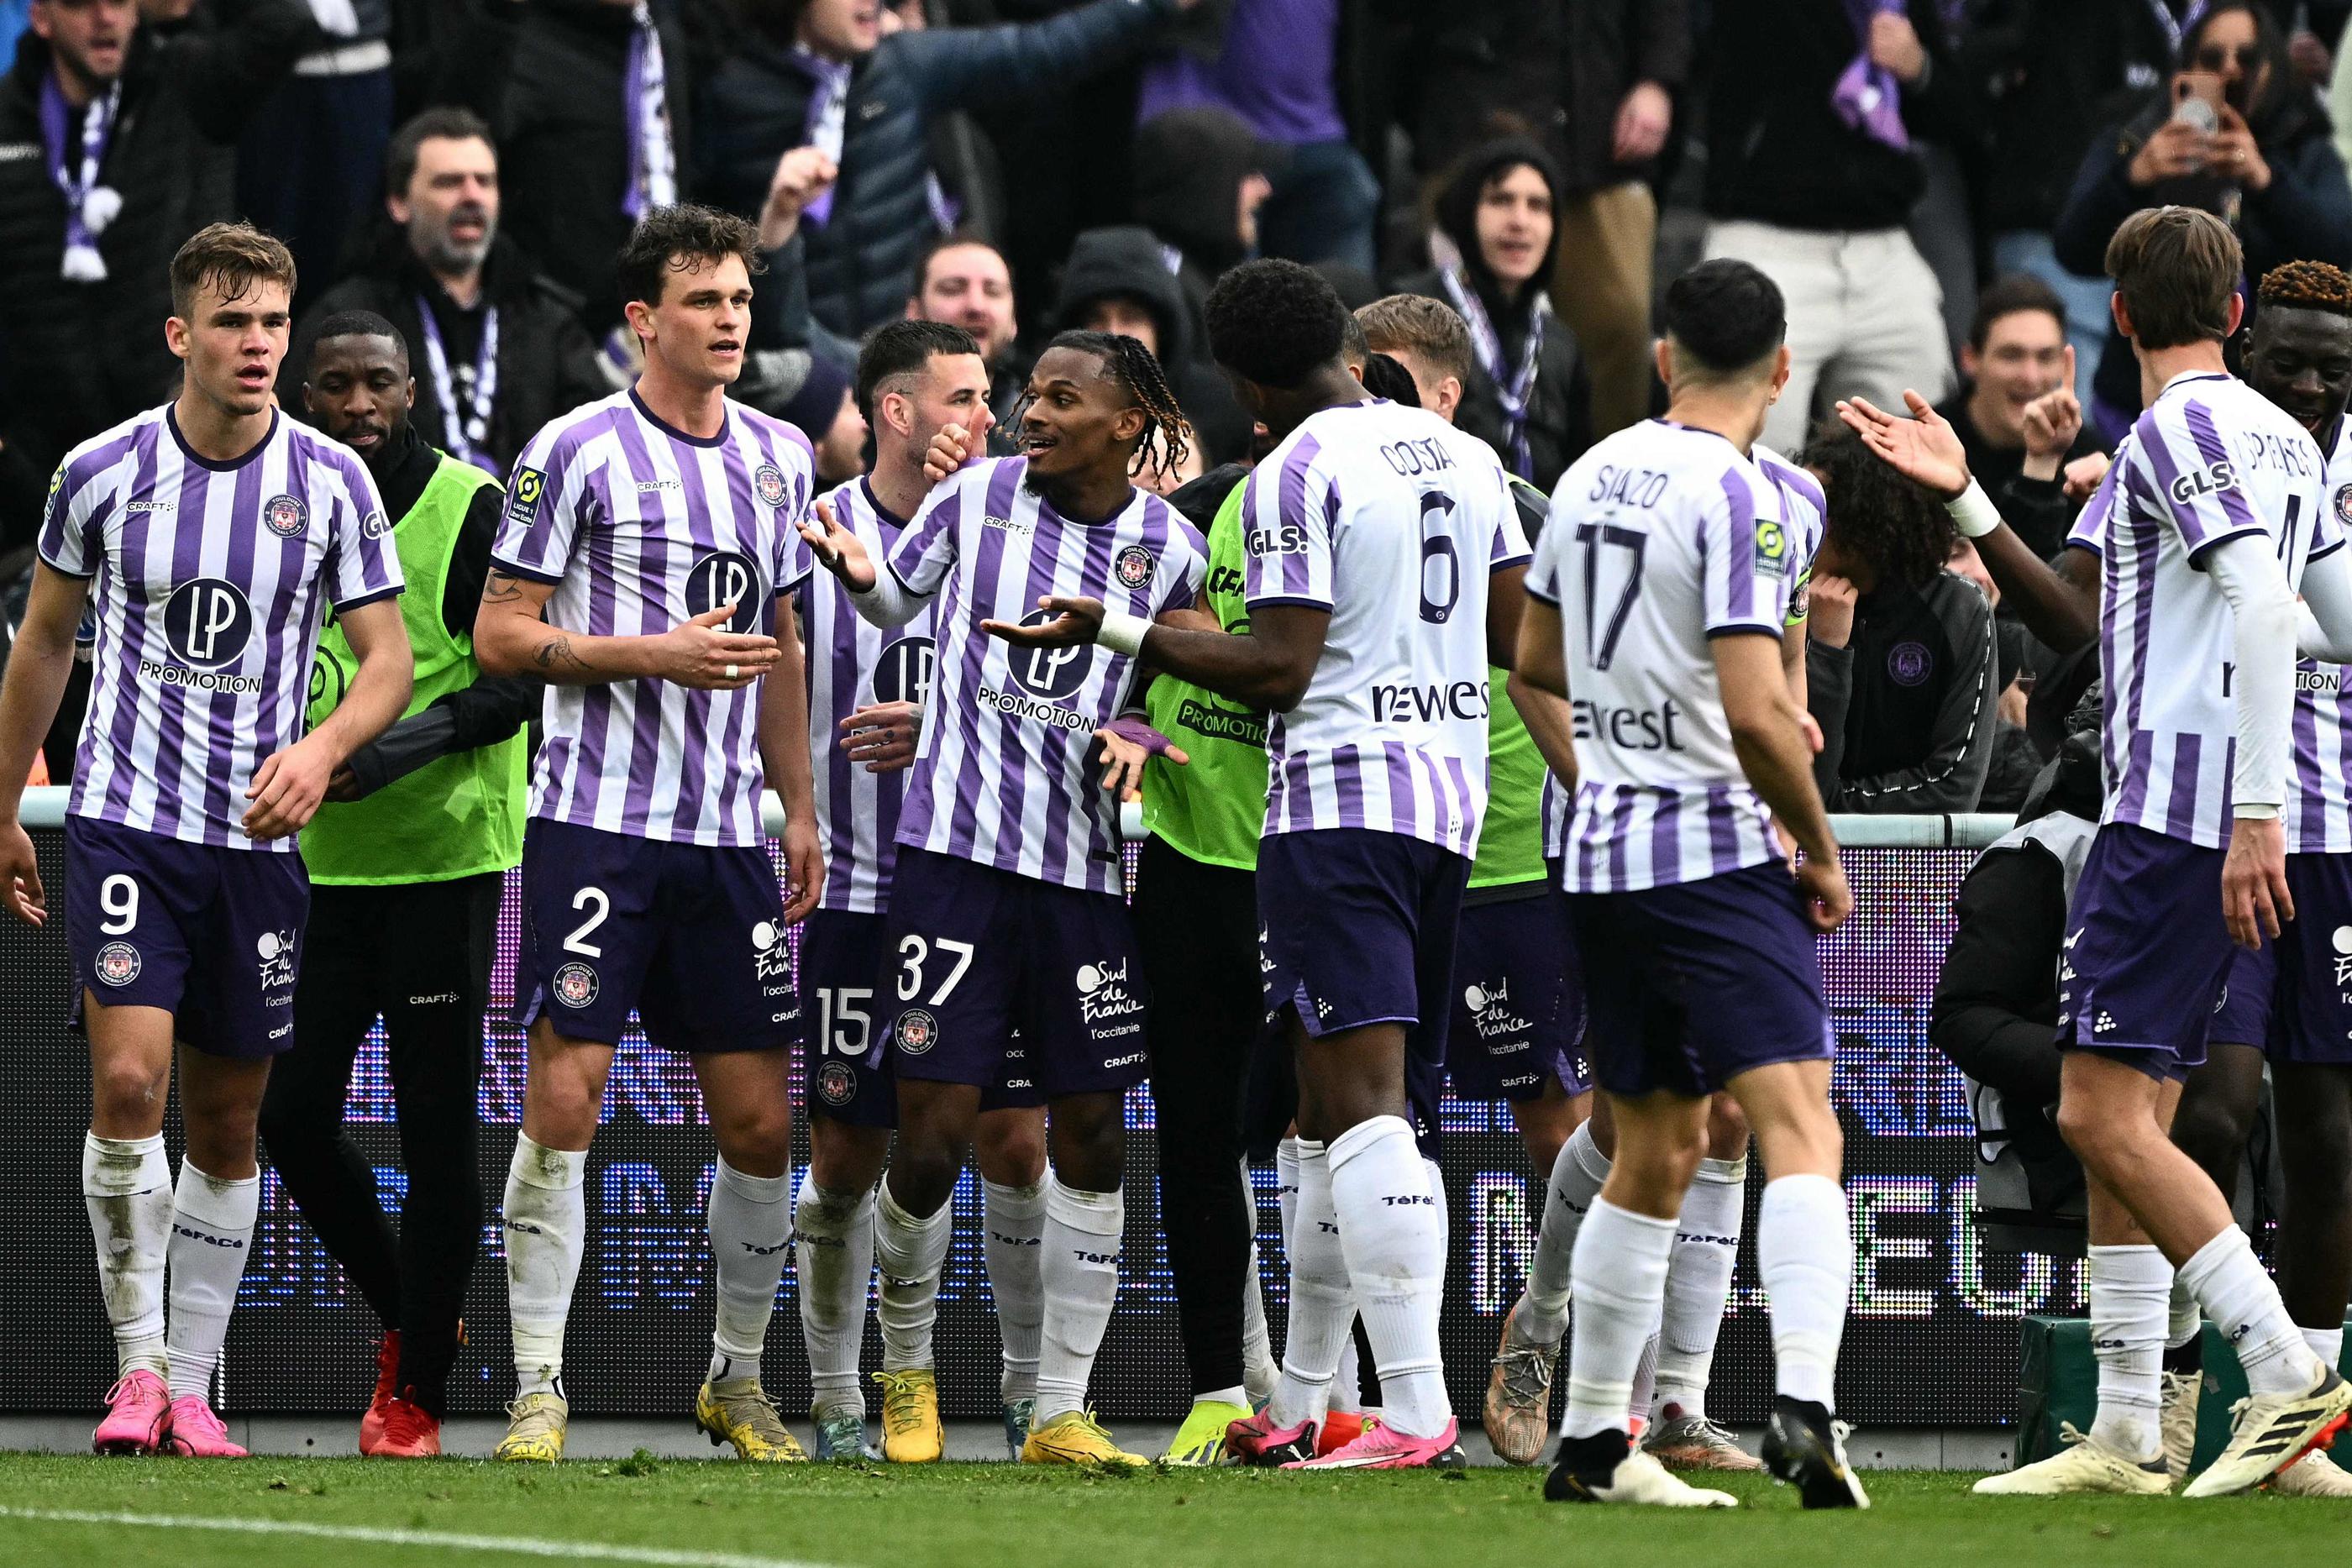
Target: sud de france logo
x,y
276,951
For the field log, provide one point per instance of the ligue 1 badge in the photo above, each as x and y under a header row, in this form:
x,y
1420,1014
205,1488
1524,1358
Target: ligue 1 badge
x,y
918,1031
769,481
118,963
575,984
1134,566
285,516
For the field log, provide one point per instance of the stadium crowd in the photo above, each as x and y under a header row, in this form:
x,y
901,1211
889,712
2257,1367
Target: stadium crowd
x,y
929,248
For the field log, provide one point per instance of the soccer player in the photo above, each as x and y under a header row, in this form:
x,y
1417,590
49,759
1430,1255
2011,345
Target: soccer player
x,y
1658,598
868,688
212,535
1374,533
2299,359
643,569
1006,908
406,873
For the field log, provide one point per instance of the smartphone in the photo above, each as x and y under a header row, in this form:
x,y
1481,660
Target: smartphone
x,y
2197,98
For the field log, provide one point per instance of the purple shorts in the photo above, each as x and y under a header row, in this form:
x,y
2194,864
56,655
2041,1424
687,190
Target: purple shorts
x,y
1357,927
211,934
846,1075
1519,1001
690,937
2312,1020
1686,987
2146,953
2245,1013
984,963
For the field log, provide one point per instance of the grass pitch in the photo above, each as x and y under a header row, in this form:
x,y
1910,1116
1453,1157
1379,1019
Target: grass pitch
x,y
457,1513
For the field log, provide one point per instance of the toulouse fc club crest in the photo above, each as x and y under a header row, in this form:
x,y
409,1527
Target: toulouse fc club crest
x,y
285,516
835,1084
1133,567
118,963
2343,505
1909,663
767,480
918,1031
575,984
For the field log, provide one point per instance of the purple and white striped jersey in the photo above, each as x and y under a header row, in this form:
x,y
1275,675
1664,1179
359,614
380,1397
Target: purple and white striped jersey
x,y
853,665
1003,777
1804,514
641,527
1662,538
212,582
2318,813
1392,520
2209,460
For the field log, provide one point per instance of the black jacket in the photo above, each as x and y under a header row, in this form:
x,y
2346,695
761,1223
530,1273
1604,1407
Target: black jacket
x,y
1560,411
547,365
1776,150
548,75
2037,508
76,357
1906,707
861,259
1125,262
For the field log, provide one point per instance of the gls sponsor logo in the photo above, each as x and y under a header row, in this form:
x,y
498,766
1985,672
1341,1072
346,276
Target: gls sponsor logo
x,y
1459,699
1288,540
1628,729
2209,480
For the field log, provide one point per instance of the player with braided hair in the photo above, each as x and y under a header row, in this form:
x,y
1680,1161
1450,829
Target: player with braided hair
x,y
1167,437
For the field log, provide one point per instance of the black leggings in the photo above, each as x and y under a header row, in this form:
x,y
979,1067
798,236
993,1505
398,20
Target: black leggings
x,y
419,955
1196,926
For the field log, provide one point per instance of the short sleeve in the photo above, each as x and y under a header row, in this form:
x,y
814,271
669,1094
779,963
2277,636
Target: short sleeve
x,y
2090,529
1286,518
2194,480
2327,520
1184,567
1509,546
1747,560
363,566
545,496
927,548
1543,566
791,456
70,540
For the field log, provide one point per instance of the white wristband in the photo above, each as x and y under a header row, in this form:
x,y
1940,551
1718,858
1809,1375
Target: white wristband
x,y
1973,513
1122,633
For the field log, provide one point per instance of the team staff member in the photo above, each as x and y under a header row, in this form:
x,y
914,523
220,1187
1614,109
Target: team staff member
x,y
405,876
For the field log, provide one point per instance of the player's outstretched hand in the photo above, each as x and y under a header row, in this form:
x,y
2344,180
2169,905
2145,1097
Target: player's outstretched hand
x,y
837,549
1074,621
1822,885
2083,476
1923,448
1128,742
2254,898
950,449
883,735
804,869
700,653
286,791
20,875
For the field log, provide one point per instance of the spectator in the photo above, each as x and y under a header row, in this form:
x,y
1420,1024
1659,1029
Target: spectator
x,y
2015,357
819,73
499,348
1527,397
966,282
821,401
1200,180
312,152
129,139
2270,169
1810,176
1117,282
1298,73
1899,662
586,102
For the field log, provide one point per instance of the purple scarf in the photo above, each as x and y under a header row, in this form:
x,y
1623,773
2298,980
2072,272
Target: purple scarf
x,y
1867,97
653,161
89,206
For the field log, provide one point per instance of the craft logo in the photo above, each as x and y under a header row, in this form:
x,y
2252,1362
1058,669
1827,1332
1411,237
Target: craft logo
x,y
575,984
118,963
1134,567
286,515
918,1031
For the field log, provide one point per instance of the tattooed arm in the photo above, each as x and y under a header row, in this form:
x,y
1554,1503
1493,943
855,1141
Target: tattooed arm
x,y
511,637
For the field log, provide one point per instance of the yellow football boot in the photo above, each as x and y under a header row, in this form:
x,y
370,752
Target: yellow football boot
x,y
739,1411
1077,1438
911,1433
535,1425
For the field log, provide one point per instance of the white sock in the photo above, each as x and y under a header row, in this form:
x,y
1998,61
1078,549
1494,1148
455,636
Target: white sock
x,y
212,1236
1015,1218
1394,1236
1643,1394
1080,1269
2325,1343
1569,1196
1347,1394
546,1228
1322,1303
1619,1274
2229,1283
2184,1318
1804,1253
833,1235
1286,1185
751,1220
909,1252
126,1185
2131,1291
1699,1283
1259,1369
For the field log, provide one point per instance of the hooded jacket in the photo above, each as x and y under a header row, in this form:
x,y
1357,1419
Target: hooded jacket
x,y
1127,262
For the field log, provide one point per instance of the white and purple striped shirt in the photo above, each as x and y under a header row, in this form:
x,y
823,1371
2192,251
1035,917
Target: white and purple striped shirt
x,y
853,665
2318,812
1392,520
212,582
1003,777
641,527
1662,538
2209,460
1804,513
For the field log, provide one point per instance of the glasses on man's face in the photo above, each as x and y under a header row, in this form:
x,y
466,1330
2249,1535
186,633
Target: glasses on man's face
x,y
2214,58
